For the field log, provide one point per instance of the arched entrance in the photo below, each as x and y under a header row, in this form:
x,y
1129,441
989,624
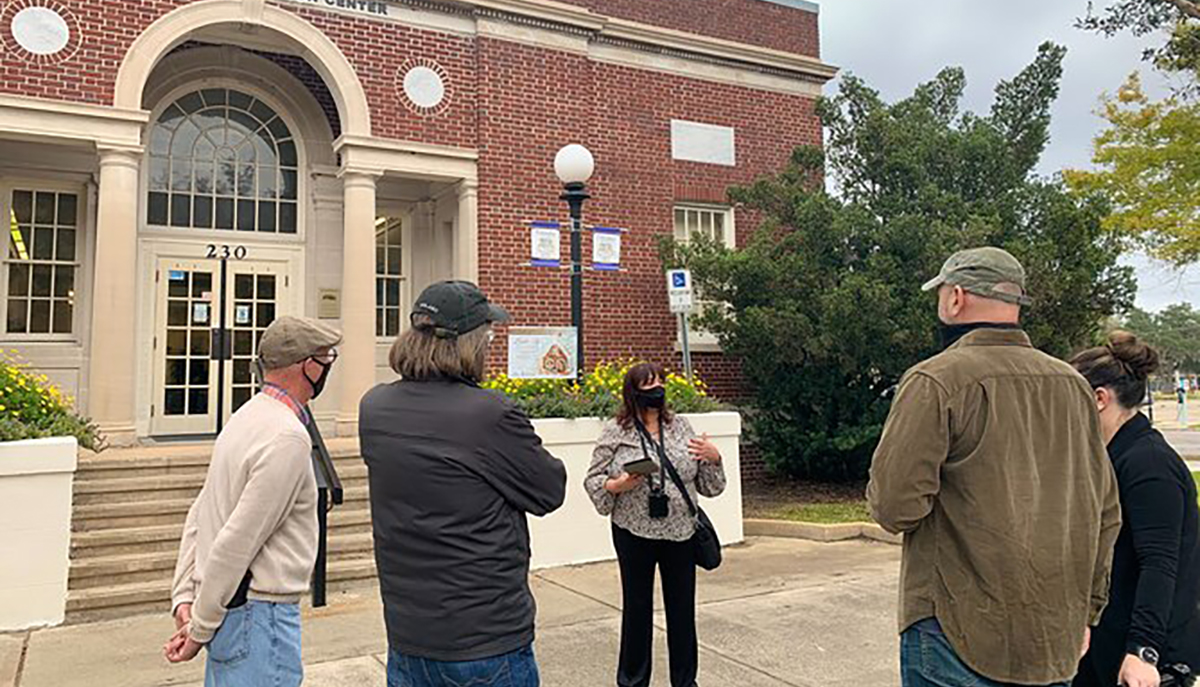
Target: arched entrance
x,y
161,215
227,168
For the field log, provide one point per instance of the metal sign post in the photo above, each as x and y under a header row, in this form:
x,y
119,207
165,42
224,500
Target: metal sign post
x,y
679,293
545,249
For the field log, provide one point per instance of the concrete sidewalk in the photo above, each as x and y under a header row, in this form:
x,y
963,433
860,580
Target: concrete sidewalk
x,y
1186,443
779,612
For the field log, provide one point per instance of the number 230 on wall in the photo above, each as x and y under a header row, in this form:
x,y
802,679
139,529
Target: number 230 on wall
x,y
225,252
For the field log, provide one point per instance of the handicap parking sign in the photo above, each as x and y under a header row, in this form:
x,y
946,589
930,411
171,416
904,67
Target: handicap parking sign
x,y
679,291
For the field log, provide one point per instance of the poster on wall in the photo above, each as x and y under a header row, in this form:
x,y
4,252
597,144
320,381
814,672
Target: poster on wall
x,y
606,249
541,352
545,244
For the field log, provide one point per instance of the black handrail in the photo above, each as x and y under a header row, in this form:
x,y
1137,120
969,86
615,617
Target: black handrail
x,y
329,494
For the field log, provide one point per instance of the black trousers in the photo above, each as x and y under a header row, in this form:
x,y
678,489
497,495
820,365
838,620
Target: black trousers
x,y
637,558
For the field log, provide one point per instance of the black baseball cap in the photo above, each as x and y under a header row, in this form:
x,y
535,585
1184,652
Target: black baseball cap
x,y
455,308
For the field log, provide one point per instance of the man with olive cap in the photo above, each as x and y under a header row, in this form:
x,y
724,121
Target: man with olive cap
x,y
993,467
250,540
454,470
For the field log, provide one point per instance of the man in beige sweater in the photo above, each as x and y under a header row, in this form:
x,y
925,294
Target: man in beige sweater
x,y
250,540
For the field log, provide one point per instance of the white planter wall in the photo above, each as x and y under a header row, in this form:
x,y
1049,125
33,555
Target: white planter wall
x,y
576,533
35,530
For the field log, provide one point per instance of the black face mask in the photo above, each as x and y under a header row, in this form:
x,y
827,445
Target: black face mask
x,y
319,385
651,399
949,334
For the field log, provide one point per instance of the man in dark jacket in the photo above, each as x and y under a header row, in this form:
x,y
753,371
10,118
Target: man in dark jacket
x,y
453,471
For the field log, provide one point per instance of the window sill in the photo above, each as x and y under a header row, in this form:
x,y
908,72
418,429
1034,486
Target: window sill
x,y
699,346
57,339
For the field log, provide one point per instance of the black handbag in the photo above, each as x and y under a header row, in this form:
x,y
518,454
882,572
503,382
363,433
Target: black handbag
x,y
706,544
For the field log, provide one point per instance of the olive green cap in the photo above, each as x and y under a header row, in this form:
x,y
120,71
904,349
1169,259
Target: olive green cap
x,y
290,340
988,272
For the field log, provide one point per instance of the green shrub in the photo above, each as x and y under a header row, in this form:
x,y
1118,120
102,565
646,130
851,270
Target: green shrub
x,y
32,408
598,396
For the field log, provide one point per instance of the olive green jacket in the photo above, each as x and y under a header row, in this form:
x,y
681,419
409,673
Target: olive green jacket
x,y
993,466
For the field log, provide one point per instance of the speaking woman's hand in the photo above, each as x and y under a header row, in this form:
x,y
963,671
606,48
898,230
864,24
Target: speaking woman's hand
x,y
622,484
702,449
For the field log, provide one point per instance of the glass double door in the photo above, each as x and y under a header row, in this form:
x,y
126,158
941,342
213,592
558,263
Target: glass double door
x,y
207,332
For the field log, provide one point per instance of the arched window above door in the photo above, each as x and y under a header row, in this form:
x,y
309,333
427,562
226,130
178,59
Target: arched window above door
x,y
221,159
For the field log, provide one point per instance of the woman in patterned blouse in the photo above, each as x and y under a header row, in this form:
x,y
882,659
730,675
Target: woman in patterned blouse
x,y
647,536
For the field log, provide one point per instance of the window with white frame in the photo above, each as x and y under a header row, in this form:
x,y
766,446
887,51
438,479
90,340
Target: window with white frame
x,y
222,159
389,275
715,223
42,261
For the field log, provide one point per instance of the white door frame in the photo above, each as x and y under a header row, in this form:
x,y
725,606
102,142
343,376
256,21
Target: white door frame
x,y
155,249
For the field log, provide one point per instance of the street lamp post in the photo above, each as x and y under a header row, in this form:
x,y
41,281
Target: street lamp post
x,y
574,165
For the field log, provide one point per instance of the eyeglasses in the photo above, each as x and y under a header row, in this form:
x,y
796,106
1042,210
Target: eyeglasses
x,y
329,358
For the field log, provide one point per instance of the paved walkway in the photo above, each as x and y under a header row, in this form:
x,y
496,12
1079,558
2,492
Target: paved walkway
x,y
1187,443
779,613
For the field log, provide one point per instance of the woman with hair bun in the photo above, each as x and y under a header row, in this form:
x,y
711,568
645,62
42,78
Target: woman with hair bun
x,y
1150,632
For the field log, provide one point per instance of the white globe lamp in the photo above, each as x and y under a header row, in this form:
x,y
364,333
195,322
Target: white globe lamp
x,y
574,164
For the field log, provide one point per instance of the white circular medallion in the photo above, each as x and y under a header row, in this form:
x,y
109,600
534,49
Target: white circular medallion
x,y
424,87
40,30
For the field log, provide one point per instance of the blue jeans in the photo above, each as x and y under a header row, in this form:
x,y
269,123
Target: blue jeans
x,y
928,660
516,669
258,645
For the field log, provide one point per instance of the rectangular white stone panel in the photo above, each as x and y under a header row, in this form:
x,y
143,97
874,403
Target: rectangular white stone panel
x,y
708,143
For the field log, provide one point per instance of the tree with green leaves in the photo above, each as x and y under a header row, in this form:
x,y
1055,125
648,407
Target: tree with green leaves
x,y
1178,20
1146,168
1174,333
823,305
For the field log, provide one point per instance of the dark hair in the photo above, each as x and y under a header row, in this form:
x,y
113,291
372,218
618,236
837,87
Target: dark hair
x,y
1122,365
634,379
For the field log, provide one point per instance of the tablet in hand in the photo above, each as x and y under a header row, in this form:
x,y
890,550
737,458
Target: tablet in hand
x,y
644,466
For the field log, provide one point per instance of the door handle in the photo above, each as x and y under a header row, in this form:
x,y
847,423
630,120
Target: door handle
x,y
222,344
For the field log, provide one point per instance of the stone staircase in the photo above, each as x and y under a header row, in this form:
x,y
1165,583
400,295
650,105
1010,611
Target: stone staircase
x,y
129,509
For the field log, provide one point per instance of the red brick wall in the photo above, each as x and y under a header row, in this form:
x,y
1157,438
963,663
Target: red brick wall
x,y
755,22
378,50
536,105
517,105
107,30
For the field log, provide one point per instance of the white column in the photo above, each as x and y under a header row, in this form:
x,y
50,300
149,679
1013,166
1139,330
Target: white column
x,y
112,374
466,235
356,364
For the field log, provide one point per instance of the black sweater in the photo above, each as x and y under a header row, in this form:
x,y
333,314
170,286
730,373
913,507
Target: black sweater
x,y
1155,596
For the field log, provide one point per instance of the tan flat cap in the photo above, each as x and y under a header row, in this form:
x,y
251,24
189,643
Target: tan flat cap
x,y
290,340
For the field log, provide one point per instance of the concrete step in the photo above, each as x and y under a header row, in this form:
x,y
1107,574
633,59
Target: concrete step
x,y
121,600
122,570
159,566
121,490
128,514
159,538
102,468
174,459
89,492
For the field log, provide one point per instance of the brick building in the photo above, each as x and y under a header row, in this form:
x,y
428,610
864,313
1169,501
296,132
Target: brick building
x,y
345,153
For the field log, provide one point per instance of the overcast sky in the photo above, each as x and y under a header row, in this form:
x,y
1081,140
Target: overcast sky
x,y
896,45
